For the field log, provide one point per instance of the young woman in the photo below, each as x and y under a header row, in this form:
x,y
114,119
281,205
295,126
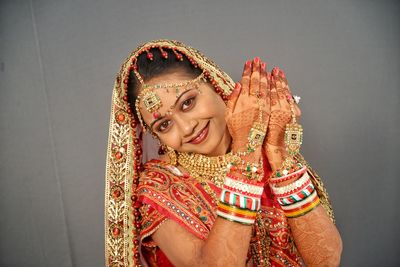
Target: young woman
x,y
231,188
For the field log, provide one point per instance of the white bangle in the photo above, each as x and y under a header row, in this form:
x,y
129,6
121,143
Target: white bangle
x,y
292,186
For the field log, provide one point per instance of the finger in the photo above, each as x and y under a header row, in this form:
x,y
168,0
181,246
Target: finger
x,y
288,93
245,82
297,110
274,94
255,77
233,97
284,81
264,91
281,89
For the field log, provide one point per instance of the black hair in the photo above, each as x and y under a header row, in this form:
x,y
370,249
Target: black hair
x,y
149,69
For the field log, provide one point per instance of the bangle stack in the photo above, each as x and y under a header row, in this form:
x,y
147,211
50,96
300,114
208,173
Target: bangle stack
x,y
297,198
240,200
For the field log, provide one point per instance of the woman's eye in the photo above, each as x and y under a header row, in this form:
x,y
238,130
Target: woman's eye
x,y
163,126
187,104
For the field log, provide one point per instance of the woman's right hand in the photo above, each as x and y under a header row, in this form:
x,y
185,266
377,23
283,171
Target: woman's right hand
x,y
244,105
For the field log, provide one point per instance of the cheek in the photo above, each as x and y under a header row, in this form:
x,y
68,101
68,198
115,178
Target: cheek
x,y
170,139
218,109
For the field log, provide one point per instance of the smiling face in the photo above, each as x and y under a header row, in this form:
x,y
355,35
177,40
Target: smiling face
x,y
192,120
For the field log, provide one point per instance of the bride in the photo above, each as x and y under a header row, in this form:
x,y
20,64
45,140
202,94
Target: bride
x,y
230,187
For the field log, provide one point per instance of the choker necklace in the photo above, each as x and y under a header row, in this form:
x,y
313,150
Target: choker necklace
x,y
204,168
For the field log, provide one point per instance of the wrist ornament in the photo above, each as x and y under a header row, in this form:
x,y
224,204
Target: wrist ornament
x,y
240,199
297,198
252,171
288,173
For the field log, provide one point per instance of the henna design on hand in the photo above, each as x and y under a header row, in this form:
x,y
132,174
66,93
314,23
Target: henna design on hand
x,y
280,116
245,104
276,128
239,125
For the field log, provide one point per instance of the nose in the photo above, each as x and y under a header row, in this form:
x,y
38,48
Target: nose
x,y
186,125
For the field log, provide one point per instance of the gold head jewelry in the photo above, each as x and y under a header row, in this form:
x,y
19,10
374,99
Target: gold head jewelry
x,y
205,168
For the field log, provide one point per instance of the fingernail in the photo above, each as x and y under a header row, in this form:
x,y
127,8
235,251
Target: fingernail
x,y
282,74
248,63
275,71
263,66
256,60
237,86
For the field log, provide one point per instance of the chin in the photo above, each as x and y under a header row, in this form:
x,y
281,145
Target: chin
x,y
216,147
214,144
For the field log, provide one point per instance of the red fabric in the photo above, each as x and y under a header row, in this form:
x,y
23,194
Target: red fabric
x,y
165,195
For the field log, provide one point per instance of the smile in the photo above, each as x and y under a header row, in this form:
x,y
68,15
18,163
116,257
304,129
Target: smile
x,y
201,136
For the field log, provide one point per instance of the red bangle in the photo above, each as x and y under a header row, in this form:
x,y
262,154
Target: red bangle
x,y
277,180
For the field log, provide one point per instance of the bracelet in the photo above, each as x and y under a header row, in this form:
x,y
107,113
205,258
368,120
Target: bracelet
x,y
295,191
251,171
297,173
239,200
305,210
290,187
300,204
236,214
288,169
243,187
299,196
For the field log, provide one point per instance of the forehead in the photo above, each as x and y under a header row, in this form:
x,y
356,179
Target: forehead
x,y
167,96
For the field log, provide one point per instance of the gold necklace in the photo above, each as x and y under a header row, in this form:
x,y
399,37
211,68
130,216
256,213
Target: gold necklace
x,y
204,168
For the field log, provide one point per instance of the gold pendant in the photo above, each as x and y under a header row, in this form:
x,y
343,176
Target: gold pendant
x,y
293,138
256,135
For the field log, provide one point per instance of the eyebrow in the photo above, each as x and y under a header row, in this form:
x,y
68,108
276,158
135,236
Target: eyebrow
x,y
176,101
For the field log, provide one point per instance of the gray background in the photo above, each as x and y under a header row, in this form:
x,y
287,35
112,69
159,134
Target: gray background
x,y
58,61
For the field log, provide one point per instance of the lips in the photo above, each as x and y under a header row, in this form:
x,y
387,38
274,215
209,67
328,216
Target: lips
x,y
201,136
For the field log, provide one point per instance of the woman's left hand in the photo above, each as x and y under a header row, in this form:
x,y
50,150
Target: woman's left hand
x,y
274,145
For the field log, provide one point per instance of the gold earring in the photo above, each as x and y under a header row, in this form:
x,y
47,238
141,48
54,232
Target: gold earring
x,y
173,159
162,149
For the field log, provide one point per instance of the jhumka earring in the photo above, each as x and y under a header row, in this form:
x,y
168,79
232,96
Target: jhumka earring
x,y
162,149
173,158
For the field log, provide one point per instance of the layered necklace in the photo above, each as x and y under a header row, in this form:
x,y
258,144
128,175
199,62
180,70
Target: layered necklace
x,y
204,168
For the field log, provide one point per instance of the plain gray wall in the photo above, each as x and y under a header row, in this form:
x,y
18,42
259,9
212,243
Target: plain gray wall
x,y
58,60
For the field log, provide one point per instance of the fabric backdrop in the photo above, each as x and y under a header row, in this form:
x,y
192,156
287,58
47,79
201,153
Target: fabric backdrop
x,y
58,60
